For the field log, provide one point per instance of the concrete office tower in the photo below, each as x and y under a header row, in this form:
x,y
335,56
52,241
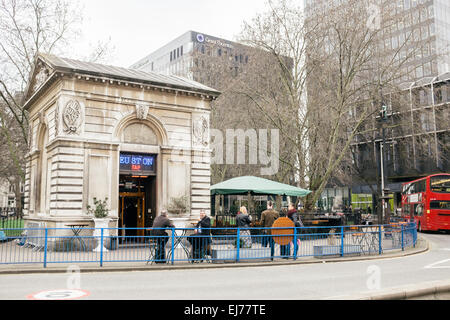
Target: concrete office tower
x,y
417,128
425,21
178,57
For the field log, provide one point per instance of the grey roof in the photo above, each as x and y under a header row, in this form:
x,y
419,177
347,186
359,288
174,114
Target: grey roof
x,y
96,69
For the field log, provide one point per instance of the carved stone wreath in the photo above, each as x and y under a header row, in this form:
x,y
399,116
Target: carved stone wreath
x,y
201,131
72,117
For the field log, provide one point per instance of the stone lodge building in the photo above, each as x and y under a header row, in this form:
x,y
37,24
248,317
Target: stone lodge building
x,y
139,139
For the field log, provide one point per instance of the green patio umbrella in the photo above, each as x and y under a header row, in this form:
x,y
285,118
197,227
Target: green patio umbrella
x,y
255,185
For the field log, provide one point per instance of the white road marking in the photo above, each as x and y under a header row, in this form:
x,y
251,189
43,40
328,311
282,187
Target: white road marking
x,y
434,265
63,294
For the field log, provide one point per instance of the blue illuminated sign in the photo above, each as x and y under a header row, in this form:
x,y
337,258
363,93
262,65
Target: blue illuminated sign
x,y
137,164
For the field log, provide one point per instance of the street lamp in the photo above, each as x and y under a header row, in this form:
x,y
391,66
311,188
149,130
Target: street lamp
x,y
385,202
383,117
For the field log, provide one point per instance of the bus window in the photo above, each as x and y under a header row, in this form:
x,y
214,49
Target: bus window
x,y
440,184
440,205
406,210
418,209
421,186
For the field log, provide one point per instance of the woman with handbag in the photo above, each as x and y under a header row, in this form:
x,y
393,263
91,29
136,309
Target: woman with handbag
x,y
243,222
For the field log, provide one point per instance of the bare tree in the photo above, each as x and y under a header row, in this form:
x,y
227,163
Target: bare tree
x,y
336,83
28,27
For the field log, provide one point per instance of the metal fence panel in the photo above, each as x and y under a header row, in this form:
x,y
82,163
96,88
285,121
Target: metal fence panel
x,y
181,245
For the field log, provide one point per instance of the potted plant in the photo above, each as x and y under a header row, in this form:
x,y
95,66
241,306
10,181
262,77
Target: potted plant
x,y
100,212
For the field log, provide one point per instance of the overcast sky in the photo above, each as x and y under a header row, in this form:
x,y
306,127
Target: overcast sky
x,y
138,27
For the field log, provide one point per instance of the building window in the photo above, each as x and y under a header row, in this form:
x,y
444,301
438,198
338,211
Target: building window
x,y
419,72
416,17
181,51
425,33
423,14
407,4
395,42
432,29
427,69
437,95
431,11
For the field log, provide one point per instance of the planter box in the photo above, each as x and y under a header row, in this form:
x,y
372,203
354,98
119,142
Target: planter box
x,y
230,255
320,251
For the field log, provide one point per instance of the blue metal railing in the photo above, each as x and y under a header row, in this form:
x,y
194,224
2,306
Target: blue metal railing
x,y
181,245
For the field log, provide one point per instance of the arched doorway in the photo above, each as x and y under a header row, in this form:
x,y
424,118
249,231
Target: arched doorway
x,y
138,176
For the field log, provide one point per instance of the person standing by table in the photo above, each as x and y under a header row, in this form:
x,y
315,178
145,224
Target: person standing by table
x,y
268,217
243,221
161,236
201,238
293,215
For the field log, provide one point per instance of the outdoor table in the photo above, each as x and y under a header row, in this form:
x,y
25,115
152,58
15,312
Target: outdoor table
x,y
366,238
395,232
76,229
178,241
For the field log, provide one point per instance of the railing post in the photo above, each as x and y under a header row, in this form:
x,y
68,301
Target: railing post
x,y
101,248
295,243
342,241
380,248
403,243
414,232
45,248
173,246
238,244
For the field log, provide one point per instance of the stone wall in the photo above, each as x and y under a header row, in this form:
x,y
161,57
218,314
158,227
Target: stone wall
x,y
78,128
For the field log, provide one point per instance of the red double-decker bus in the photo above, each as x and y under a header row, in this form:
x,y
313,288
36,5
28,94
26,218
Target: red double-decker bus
x,y
427,202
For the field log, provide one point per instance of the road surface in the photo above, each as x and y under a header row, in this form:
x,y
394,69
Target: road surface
x,y
296,282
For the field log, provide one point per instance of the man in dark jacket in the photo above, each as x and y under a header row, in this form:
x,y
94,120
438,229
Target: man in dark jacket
x,y
293,215
161,236
201,237
268,217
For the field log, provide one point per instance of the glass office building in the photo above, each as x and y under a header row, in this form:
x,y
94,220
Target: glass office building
x,y
178,57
